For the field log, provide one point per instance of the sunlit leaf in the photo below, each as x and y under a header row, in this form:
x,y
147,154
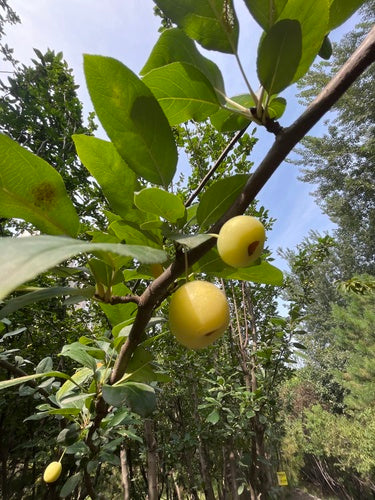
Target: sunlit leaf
x,y
112,173
183,92
24,258
132,118
266,12
279,55
212,23
218,198
160,203
32,190
174,46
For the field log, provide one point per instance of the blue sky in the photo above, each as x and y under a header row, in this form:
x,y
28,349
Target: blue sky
x,y
127,30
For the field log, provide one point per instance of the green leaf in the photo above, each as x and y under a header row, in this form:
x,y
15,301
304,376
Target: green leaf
x,y
43,294
213,417
299,346
32,190
191,241
341,10
132,118
264,272
78,378
134,235
279,55
79,353
24,258
174,46
160,203
70,485
139,397
325,51
229,119
266,12
313,18
212,23
218,198
66,412
45,365
104,163
276,108
183,92
4,384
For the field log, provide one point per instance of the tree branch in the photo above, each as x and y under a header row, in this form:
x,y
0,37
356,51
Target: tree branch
x,y
285,141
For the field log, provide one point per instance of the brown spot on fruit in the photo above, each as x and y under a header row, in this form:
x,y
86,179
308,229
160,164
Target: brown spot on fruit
x,y
44,195
252,247
209,333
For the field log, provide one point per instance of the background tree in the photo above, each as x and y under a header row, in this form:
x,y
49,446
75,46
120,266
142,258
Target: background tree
x,y
40,109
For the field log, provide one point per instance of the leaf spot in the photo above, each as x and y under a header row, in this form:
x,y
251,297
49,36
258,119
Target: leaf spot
x,y
44,195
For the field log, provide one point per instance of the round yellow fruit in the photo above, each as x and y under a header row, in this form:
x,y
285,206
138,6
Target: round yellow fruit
x,y
241,240
198,314
156,270
52,472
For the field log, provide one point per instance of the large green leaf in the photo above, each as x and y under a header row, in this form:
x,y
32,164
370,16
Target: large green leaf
x,y
313,16
134,235
183,92
160,203
212,23
4,384
341,10
43,294
218,198
139,397
174,46
132,118
79,353
266,12
230,119
32,190
279,55
264,272
105,164
22,259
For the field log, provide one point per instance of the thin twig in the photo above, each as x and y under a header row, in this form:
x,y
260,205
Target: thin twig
x,y
217,164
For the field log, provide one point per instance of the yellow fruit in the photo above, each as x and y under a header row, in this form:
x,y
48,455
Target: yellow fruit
x,y
156,270
241,240
198,314
52,472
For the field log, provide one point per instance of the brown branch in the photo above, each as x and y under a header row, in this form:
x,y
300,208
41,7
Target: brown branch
x,y
285,141
118,299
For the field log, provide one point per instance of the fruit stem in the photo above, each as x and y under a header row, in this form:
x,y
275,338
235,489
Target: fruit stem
x,y
63,453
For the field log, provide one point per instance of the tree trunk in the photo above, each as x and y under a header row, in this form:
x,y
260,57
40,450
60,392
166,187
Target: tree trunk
x,y
152,460
233,474
206,476
125,473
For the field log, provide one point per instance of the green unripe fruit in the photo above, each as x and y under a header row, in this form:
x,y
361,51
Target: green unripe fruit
x,y
198,314
52,472
241,241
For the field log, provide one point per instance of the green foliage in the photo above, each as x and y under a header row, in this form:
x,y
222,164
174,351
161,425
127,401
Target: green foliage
x,y
279,55
132,119
32,190
212,23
